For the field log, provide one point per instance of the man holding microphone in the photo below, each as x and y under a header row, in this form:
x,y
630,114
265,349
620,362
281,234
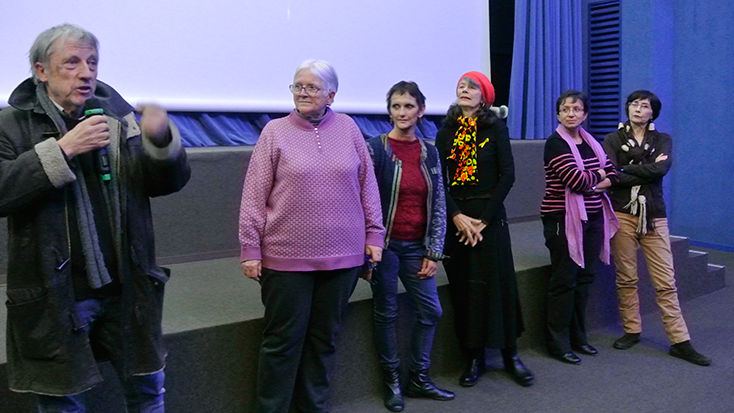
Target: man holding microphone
x,y
83,284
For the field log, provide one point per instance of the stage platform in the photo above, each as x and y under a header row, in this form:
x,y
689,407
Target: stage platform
x,y
213,324
213,314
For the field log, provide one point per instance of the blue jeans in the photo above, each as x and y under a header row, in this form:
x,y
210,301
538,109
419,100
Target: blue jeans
x,y
404,259
102,324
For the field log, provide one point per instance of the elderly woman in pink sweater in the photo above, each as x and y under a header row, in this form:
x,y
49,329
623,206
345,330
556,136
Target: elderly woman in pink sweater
x,y
310,216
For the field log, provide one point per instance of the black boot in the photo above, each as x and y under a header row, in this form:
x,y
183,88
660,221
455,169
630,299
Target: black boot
x,y
421,386
626,341
393,395
686,352
513,365
474,369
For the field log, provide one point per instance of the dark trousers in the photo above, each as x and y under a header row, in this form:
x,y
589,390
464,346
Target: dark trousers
x,y
303,314
101,319
568,287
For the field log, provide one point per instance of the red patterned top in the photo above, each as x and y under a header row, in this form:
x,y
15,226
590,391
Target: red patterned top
x,y
411,213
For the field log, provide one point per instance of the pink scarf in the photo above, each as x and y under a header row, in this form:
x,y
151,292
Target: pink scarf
x,y
575,208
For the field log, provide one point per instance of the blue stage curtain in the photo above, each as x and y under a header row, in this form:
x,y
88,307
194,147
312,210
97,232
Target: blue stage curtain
x,y
234,129
546,61
220,129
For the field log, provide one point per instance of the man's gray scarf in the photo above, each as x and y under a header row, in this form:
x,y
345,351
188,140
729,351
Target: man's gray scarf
x,y
97,272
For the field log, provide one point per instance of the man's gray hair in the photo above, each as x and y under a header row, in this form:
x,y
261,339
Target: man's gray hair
x,y
323,70
43,46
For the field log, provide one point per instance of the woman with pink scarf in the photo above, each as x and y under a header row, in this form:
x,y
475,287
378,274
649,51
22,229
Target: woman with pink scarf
x,y
578,222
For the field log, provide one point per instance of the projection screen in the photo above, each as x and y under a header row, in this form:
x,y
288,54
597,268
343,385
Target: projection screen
x,y
241,55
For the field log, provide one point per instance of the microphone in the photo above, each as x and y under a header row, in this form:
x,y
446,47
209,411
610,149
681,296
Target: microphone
x,y
93,107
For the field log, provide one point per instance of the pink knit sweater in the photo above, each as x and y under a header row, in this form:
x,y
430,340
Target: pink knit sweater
x,y
310,200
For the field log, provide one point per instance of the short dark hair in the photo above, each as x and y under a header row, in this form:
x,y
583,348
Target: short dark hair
x,y
403,87
644,94
575,96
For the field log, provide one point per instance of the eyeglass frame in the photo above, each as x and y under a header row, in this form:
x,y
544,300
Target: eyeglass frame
x,y
635,105
567,110
296,89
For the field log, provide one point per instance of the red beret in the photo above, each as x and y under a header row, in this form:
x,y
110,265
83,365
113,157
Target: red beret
x,y
485,86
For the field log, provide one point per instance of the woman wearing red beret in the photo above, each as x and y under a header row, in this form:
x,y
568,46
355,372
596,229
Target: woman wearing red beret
x,y
478,167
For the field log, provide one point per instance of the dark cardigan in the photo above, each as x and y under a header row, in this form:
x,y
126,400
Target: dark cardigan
x,y
637,166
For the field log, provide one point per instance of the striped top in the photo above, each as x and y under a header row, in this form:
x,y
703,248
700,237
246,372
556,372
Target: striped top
x,y
561,172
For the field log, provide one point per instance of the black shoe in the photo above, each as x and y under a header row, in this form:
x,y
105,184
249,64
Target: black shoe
x,y
393,395
513,365
686,352
472,372
627,341
421,386
586,349
569,358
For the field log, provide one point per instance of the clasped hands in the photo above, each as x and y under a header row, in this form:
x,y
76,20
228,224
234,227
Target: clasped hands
x,y
469,229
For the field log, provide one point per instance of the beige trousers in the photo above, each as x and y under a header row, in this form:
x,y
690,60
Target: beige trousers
x,y
656,247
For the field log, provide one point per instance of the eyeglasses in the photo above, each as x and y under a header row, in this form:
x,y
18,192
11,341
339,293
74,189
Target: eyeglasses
x,y
310,89
642,106
567,110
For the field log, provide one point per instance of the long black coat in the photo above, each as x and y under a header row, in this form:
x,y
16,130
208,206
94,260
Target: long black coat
x,y
482,278
44,353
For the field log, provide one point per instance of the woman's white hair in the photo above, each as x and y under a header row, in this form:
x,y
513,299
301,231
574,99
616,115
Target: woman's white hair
x,y
323,70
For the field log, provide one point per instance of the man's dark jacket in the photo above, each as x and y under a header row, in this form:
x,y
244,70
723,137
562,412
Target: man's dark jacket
x,y
46,352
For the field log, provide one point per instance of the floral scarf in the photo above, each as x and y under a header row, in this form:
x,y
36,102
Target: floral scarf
x,y
464,152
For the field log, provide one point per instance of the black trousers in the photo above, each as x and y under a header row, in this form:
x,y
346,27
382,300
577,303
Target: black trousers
x,y
568,287
303,315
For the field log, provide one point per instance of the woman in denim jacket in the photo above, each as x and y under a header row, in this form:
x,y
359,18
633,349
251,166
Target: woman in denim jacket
x,y
414,215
